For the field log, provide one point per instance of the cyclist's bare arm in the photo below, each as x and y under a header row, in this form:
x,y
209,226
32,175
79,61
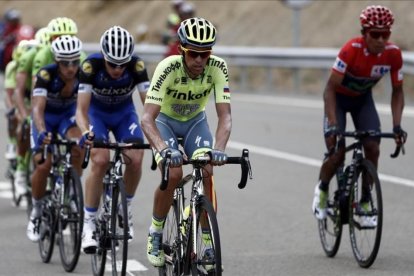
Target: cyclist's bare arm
x,y
334,81
21,78
223,126
397,104
151,131
9,98
38,106
82,107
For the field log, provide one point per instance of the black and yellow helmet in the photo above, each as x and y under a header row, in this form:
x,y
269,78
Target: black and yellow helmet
x,y
197,32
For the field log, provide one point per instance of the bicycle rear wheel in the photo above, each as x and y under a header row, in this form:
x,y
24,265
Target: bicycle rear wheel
x,y
71,222
207,258
172,243
98,259
47,230
365,223
330,228
119,231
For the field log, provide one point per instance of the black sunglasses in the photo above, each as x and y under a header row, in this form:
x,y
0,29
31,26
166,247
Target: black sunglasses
x,y
114,65
67,63
194,54
377,35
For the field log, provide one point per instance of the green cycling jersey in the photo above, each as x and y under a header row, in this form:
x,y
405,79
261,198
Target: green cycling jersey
x,y
181,97
10,75
44,57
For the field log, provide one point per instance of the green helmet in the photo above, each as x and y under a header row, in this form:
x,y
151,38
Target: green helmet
x,y
43,36
197,32
22,47
62,26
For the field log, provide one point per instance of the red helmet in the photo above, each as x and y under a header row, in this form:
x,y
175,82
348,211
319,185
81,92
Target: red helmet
x,y
376,17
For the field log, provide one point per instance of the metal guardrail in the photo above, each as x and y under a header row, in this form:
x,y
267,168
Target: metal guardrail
x,y
267,57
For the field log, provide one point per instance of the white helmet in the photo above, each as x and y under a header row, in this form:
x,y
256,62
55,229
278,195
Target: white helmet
x,y
117,45
66,47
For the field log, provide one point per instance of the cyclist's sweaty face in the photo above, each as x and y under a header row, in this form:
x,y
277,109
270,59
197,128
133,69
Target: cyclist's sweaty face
x,y
376,39
195,59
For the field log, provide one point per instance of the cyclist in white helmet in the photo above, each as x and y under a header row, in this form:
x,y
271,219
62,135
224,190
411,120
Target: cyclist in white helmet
x,y
175,108
107,83
53,110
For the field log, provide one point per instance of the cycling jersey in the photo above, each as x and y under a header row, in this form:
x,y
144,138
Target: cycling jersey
x,y
25,62
10,75
112,106
181,97
59,114
362,70
44,57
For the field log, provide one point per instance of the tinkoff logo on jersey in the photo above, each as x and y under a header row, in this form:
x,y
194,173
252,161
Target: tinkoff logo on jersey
x,y
340,65
380,70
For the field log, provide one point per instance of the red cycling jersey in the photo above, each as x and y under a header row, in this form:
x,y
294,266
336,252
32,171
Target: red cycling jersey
x,y
362,70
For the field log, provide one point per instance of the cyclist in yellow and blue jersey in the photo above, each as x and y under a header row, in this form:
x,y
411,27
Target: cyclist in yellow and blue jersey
x,y
53,104
175,108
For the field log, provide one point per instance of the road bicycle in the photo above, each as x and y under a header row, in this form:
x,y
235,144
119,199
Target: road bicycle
x,y
11,170
112,231
191,239
357,201
62,207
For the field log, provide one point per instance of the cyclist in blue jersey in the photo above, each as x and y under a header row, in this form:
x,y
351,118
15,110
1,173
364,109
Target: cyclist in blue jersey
x,y
107,83
53,112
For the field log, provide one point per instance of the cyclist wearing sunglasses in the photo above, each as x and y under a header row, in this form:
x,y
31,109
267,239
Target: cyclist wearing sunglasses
x,y
53,113
107,83
175,108
361,63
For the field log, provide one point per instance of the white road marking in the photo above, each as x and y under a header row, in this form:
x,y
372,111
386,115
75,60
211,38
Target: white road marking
x,y
307,161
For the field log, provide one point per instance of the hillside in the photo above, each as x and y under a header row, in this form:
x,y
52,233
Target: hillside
x,y
244,23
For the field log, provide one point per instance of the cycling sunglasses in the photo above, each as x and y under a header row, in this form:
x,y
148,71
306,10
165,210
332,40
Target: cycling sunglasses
x,y
195,54
67,63
377,35
114,65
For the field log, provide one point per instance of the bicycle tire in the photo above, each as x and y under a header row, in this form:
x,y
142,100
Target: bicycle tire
x,y
98,259
71,222
47,231
199,265
119,229
330,228
365,241
172,243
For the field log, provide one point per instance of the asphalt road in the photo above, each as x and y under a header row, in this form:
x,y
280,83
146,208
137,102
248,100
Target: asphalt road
x,y
267,228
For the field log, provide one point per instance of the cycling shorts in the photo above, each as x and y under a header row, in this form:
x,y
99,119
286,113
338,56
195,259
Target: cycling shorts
x,y
362,110
57,123
122,122
194,134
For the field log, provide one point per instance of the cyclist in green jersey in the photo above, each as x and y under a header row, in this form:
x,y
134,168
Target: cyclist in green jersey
x,y
9,86
175,108
22,101
57,27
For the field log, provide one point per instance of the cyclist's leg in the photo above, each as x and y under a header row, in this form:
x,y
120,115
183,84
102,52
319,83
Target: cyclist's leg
x,y
23,144
366,119
69,129
99,161
130,131
163,199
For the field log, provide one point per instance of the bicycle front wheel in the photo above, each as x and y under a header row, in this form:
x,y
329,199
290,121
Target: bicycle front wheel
x,y
365,214
47,230
330,228
207,257
71,222
172,243
119,231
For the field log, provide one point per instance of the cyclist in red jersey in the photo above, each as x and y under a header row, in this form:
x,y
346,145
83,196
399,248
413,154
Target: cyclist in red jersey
x,y
361,63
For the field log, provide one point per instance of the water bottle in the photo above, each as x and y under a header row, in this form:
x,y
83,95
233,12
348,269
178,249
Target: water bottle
x,y
58,185
186,214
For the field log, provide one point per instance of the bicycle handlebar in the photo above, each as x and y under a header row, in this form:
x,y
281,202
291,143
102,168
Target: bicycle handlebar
x,y
112,146
358,135
58,142
243,160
